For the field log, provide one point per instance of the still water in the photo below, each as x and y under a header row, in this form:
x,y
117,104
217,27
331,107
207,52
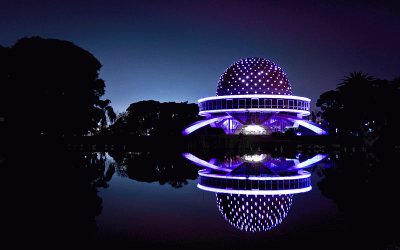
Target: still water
x,y
166,205
277,200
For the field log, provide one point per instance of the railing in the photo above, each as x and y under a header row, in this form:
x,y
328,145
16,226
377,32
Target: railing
x,y
254,102
247,184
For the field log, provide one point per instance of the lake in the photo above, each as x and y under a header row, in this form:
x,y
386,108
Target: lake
x,y
344,199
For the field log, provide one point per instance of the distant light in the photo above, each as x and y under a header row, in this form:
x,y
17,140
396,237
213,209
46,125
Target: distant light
x,y
254,158
254,130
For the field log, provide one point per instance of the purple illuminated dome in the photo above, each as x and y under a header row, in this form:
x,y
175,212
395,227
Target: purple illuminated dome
x,y
254,76
254,213
254,97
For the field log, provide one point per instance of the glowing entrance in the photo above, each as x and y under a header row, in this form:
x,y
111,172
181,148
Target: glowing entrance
x,y
253,130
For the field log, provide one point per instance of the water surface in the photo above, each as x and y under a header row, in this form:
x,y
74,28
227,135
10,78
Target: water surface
x,y
152,199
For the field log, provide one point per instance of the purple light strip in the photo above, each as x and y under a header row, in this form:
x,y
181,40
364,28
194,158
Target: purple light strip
x,y
255,191
309,162
298,111
309,125
202,123
255,96
301,175
203,163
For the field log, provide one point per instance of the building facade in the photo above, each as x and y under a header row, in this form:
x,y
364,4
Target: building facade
x,y
254,97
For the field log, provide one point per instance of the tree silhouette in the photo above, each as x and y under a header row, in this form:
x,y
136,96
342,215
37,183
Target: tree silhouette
x,y
361,105
4,52
148,118
107,112
53,87
165,167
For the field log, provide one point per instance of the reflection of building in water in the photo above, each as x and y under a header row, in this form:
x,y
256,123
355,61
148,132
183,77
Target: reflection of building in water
x,y
254,213
254,97
254,191
298,181
261,173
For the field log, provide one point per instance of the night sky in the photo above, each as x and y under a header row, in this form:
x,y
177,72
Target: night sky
x,y
177,50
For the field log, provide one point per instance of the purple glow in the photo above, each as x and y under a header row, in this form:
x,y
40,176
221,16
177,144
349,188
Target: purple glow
x,y
295,165
203,163
310,125
301,112
255,96
300,175
309,162
254,191
270,96
202,123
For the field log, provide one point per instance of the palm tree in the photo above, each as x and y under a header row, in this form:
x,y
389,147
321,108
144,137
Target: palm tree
x,y
349,106
356,78
105,112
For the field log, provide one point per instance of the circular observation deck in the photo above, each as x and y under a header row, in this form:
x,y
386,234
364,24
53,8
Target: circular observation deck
x,y
254,103
297,182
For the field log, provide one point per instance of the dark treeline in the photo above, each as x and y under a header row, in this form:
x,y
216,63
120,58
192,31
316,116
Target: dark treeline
x,y
152,118
163,167
362,106
51,87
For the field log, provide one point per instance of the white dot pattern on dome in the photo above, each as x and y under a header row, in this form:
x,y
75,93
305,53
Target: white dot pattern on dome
x,y
254,76
254,213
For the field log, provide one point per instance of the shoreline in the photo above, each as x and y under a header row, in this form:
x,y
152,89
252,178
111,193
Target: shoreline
x,y
231,143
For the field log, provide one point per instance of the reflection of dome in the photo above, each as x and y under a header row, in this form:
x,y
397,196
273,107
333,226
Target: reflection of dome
x,y
254,192
254,213
254,76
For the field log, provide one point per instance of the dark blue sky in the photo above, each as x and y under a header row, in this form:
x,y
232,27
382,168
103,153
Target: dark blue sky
x,y
177,50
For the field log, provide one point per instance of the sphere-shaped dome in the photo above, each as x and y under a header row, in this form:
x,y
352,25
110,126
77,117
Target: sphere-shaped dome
x,y
254,213
254,76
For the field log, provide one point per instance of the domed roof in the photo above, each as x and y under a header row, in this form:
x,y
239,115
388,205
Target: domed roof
x,y
254,76
254,213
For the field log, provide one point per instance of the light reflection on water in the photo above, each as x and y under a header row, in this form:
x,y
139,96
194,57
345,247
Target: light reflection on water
x,y
154,199
222,214
185,212
255,190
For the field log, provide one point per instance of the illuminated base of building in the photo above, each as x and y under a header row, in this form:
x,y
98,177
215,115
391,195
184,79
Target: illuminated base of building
x,y
278,164
254,123
254,114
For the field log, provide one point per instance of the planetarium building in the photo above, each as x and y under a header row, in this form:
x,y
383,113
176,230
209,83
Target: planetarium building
x,y
254,96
